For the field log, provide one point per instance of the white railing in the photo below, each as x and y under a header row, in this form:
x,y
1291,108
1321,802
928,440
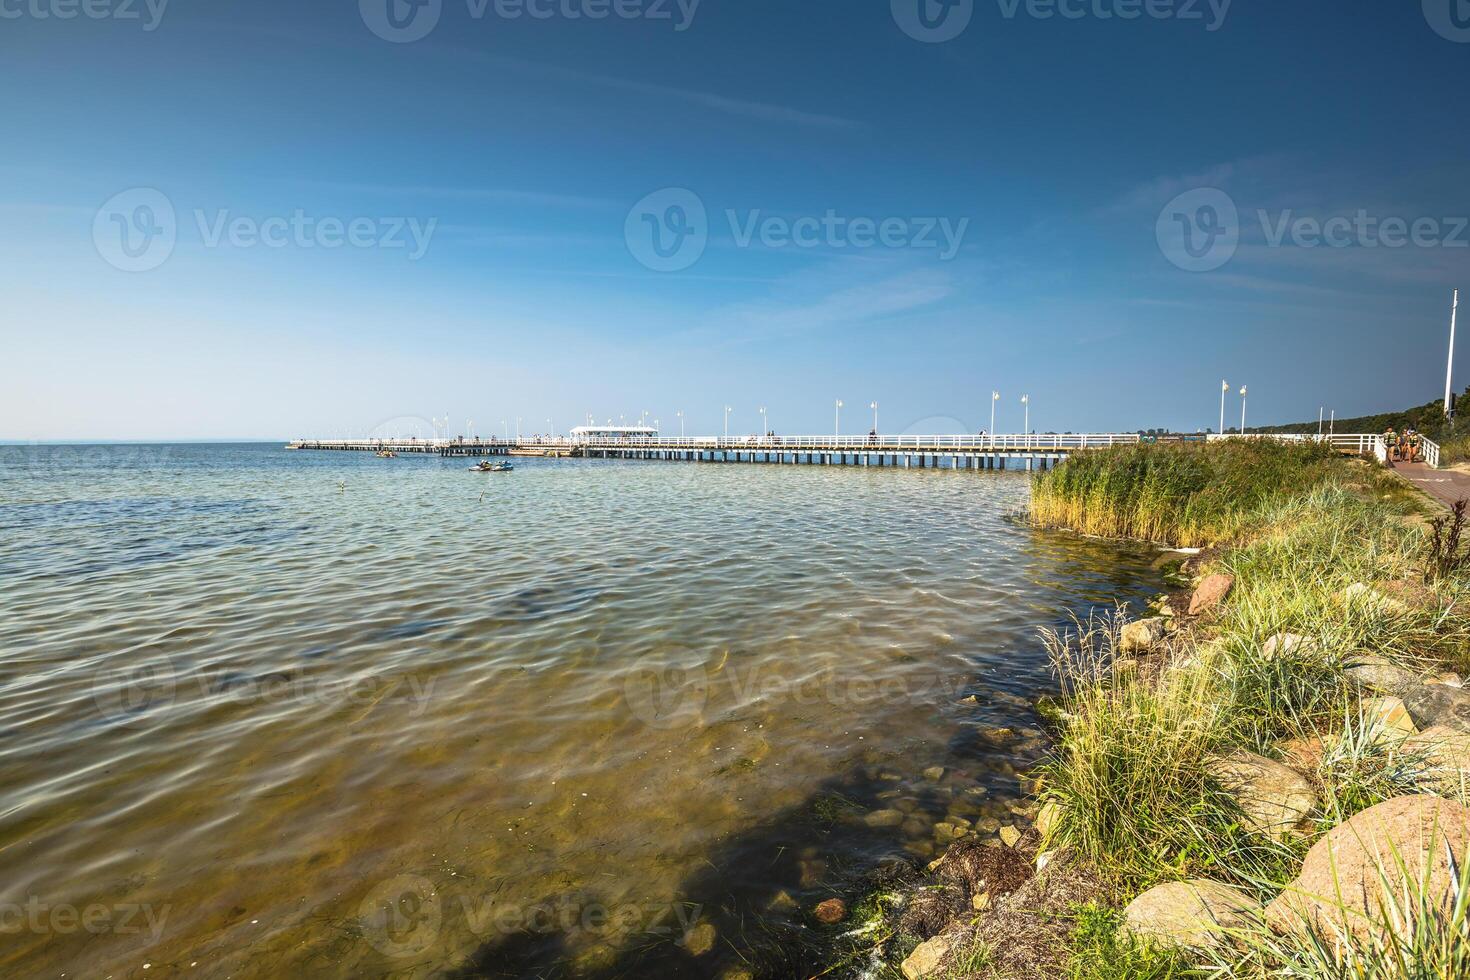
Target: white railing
x,y
1362,443
1359,443
859,443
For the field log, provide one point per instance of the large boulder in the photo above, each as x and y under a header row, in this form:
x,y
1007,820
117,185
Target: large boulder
x,y
1433,705
1359,874
1197,913
1142,636
1274,799
1445,754
1210,593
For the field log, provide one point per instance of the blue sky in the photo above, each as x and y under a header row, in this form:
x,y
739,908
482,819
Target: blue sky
x,y
522,149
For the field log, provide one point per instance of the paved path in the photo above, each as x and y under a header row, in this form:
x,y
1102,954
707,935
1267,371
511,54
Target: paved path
x,y
1446,486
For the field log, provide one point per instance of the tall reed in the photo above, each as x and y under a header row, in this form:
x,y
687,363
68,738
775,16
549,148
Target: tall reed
x,y
1184,494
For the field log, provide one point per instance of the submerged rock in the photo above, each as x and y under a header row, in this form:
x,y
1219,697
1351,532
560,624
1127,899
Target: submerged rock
x,y
830,912
1195,913
700,940
1274,799
885,818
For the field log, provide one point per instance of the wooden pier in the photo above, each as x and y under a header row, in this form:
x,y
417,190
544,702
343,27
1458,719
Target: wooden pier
x,y
911,452
1034,451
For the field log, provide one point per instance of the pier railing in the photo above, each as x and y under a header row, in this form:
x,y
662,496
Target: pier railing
x,y
1367,444
1360,443
858,443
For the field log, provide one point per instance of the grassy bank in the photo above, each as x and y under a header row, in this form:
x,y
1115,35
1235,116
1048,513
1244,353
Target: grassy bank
x,y
1332,566
1133,783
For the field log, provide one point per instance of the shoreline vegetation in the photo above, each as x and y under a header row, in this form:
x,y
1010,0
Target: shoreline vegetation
x,y
1265,774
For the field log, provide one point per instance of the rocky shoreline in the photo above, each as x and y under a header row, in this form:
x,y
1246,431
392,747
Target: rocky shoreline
x,y
1299,708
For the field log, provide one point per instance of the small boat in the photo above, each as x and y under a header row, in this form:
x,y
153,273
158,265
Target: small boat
x,y
489,467
386,454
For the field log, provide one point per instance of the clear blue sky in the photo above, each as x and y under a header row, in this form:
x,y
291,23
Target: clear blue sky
x,y
528,142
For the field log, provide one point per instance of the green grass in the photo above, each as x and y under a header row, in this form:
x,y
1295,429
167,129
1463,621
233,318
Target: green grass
x,y
1102,951
1184,494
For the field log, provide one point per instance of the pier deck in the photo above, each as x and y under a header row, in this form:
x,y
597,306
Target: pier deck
x,y
1037,450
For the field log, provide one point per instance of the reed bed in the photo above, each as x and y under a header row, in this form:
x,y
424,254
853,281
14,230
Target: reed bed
x,y
1181,494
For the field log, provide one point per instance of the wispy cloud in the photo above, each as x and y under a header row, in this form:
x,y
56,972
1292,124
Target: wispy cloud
x,y
745,108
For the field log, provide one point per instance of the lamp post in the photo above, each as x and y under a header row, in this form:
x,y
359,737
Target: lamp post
x,y
1449,372
518,428
994,397
727,421
1224,387
1026,426
680,413
552,426
507,429
469,428
1320,411
1332,429
874,407
765,425
1242,409
837,420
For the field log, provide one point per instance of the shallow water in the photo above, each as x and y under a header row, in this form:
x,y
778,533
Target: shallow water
x,y
267,714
